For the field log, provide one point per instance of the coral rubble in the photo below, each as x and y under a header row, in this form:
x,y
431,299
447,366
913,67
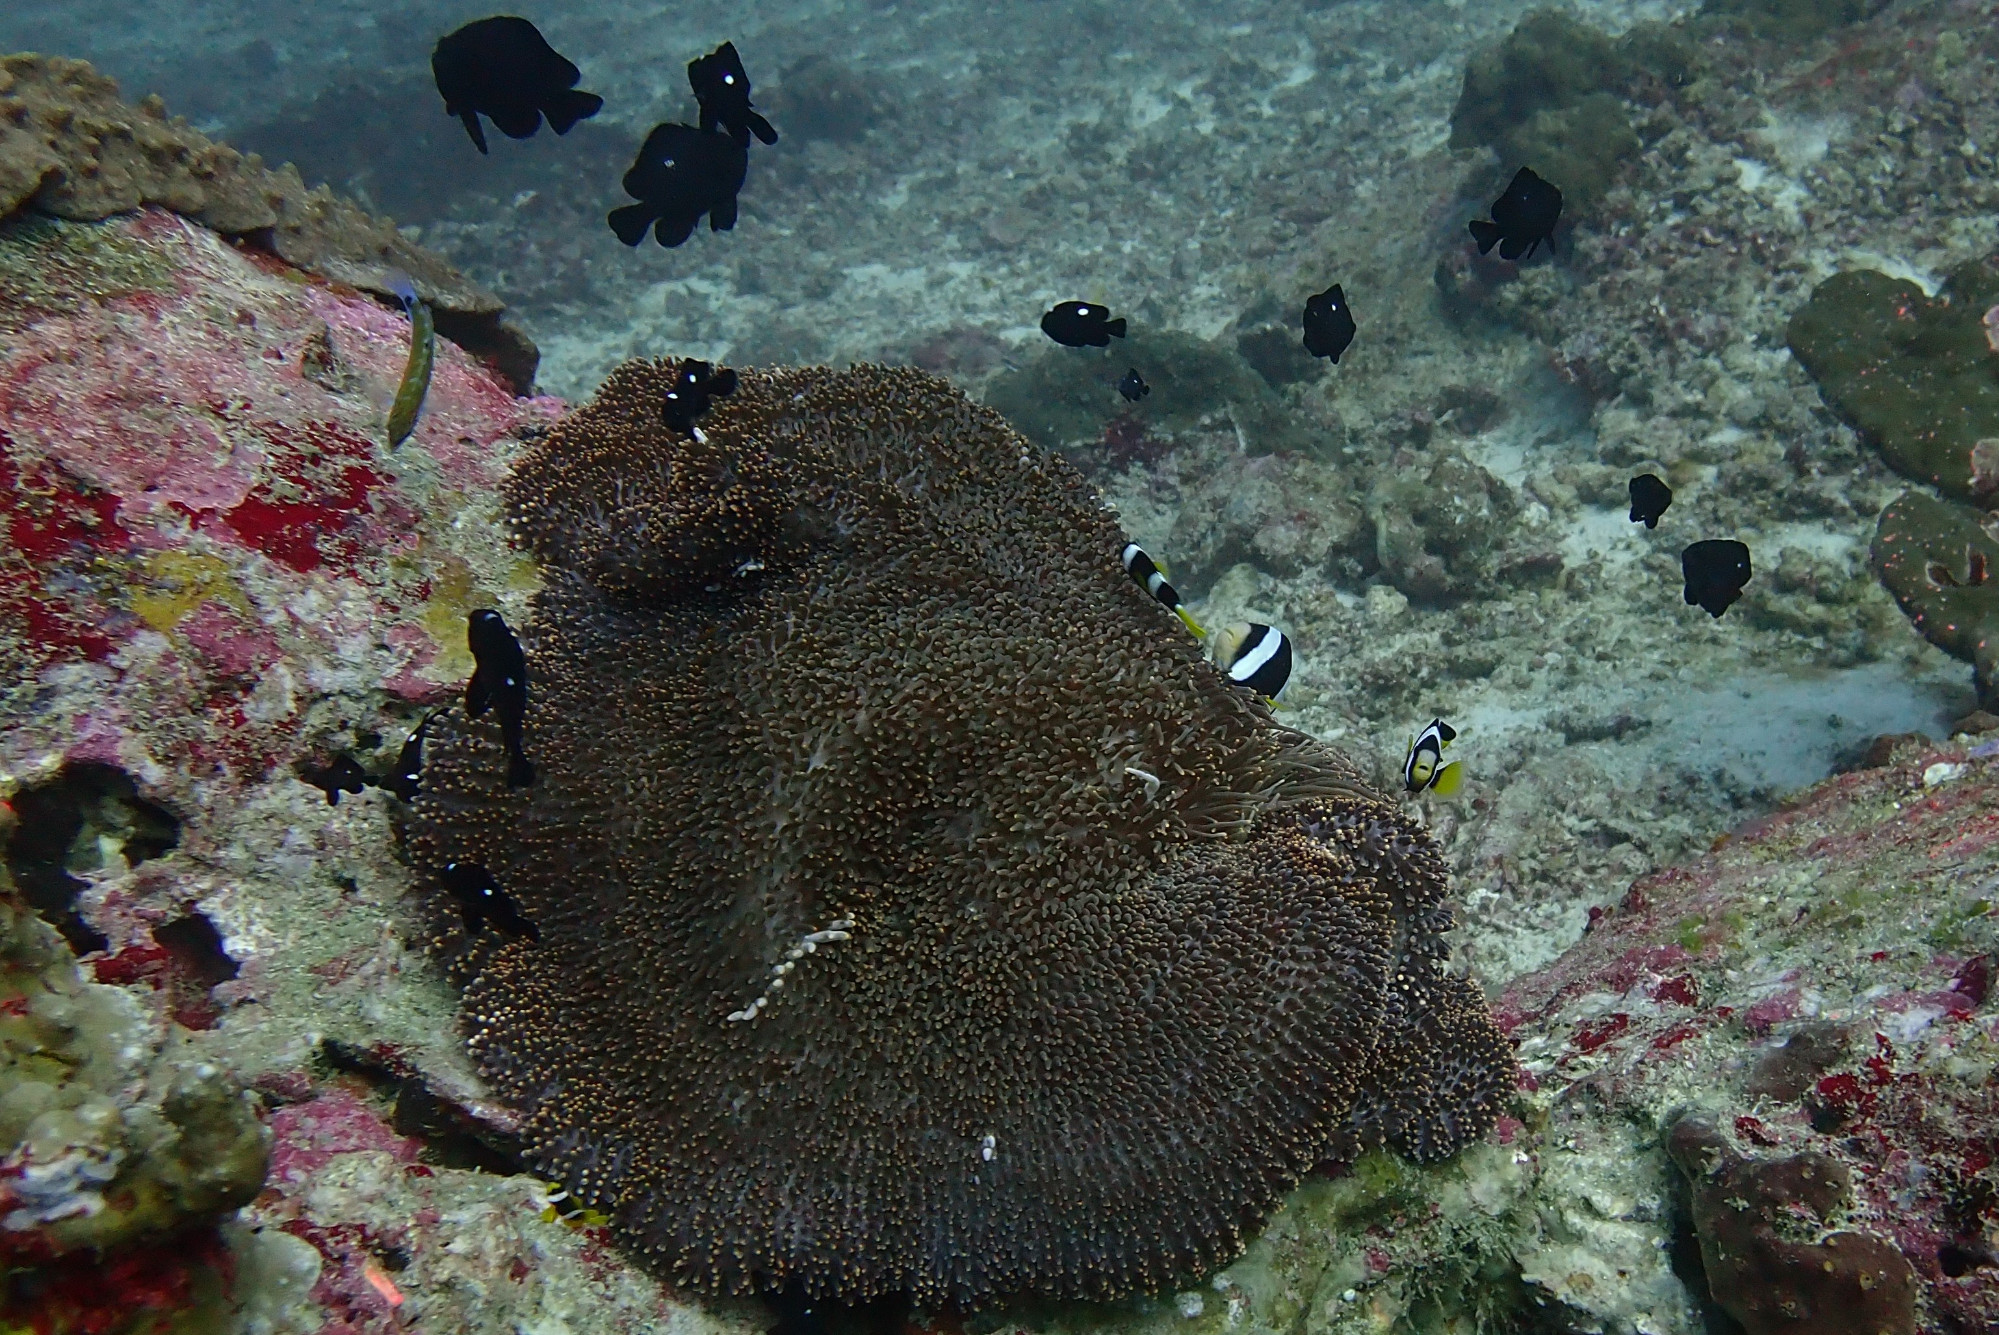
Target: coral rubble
x,y
918,911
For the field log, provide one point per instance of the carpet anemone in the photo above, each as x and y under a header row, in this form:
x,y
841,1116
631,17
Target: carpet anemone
x,y
919,912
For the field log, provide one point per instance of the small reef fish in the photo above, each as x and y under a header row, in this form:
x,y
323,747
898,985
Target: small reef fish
x,y
1423,767
1152,579
557,1203
1523,217
504,68
1082,324
1133,386
1254,655
416,371
695,386
341,775
405,777
1715,569
1329,324
723,89
500,679
1649,498
481,900
681,173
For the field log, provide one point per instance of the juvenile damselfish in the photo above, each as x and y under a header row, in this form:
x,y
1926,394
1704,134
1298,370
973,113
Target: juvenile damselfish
x,y
1523,217
1649,498
405,777
1329,323
1132,386
1082,324
504,68
500,679
681,173
481,900
1152,579
1715,570
723,89
695,386
341,775
1254,655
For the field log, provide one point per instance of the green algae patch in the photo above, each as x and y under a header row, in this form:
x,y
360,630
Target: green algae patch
x,y
1916,375
1939,560
48,266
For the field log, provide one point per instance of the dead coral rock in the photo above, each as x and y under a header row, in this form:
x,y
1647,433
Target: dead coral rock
x,y
71,147
1012,975
1282,513
1745,1212
1438,531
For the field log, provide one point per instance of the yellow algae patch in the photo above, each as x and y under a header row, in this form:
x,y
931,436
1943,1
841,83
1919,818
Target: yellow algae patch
x,y
454,593
175,583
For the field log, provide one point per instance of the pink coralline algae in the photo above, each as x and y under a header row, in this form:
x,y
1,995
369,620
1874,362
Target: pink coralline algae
x,y
1992,328
198,496
1818,984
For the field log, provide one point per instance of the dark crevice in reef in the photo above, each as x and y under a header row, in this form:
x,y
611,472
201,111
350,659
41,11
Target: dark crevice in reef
x,y
196,949
452,1136
68,825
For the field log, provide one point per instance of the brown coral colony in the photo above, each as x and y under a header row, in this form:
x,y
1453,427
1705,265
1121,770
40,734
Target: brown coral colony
x,y
918,911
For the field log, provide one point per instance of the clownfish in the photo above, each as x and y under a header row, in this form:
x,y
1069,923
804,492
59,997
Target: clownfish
x,y
1153,580
557,1203
1423,767
1254,655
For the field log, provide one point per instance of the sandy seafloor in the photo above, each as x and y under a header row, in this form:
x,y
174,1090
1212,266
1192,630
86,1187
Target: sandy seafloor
x,y
1186,163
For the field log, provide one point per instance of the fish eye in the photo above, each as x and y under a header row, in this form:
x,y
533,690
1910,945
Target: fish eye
x,y
728,78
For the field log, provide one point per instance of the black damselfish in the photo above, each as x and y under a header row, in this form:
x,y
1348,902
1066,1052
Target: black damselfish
x,y
342,775
504,68
405,777
723,89
1649,498
481,901
500,679
1329,326
681,173
695,385
1715,569
1133,386
1523,217
1082,324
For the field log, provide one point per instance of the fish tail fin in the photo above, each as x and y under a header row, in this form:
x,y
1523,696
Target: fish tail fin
x,y
1486,234
475,129
1448,779
761,128
570,106
1192,624
1116,327
630,223
520,770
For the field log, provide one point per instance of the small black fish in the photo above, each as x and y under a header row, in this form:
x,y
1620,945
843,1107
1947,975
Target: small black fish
x,y
694,386
681,173
1082,324
343,775
1649,498
1523,217
481,900
1329,326
1133,386
405,777
504,68
723,90
500,679
1715,570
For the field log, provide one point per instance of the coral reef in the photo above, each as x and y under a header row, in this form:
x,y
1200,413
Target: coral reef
x,y
1914,373
1791,20
1745,1211
71,148
1938,558
1012,977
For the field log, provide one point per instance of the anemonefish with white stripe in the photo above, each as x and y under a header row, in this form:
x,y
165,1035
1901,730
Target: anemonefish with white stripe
x,y
1254,655
1152,579
1423,767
